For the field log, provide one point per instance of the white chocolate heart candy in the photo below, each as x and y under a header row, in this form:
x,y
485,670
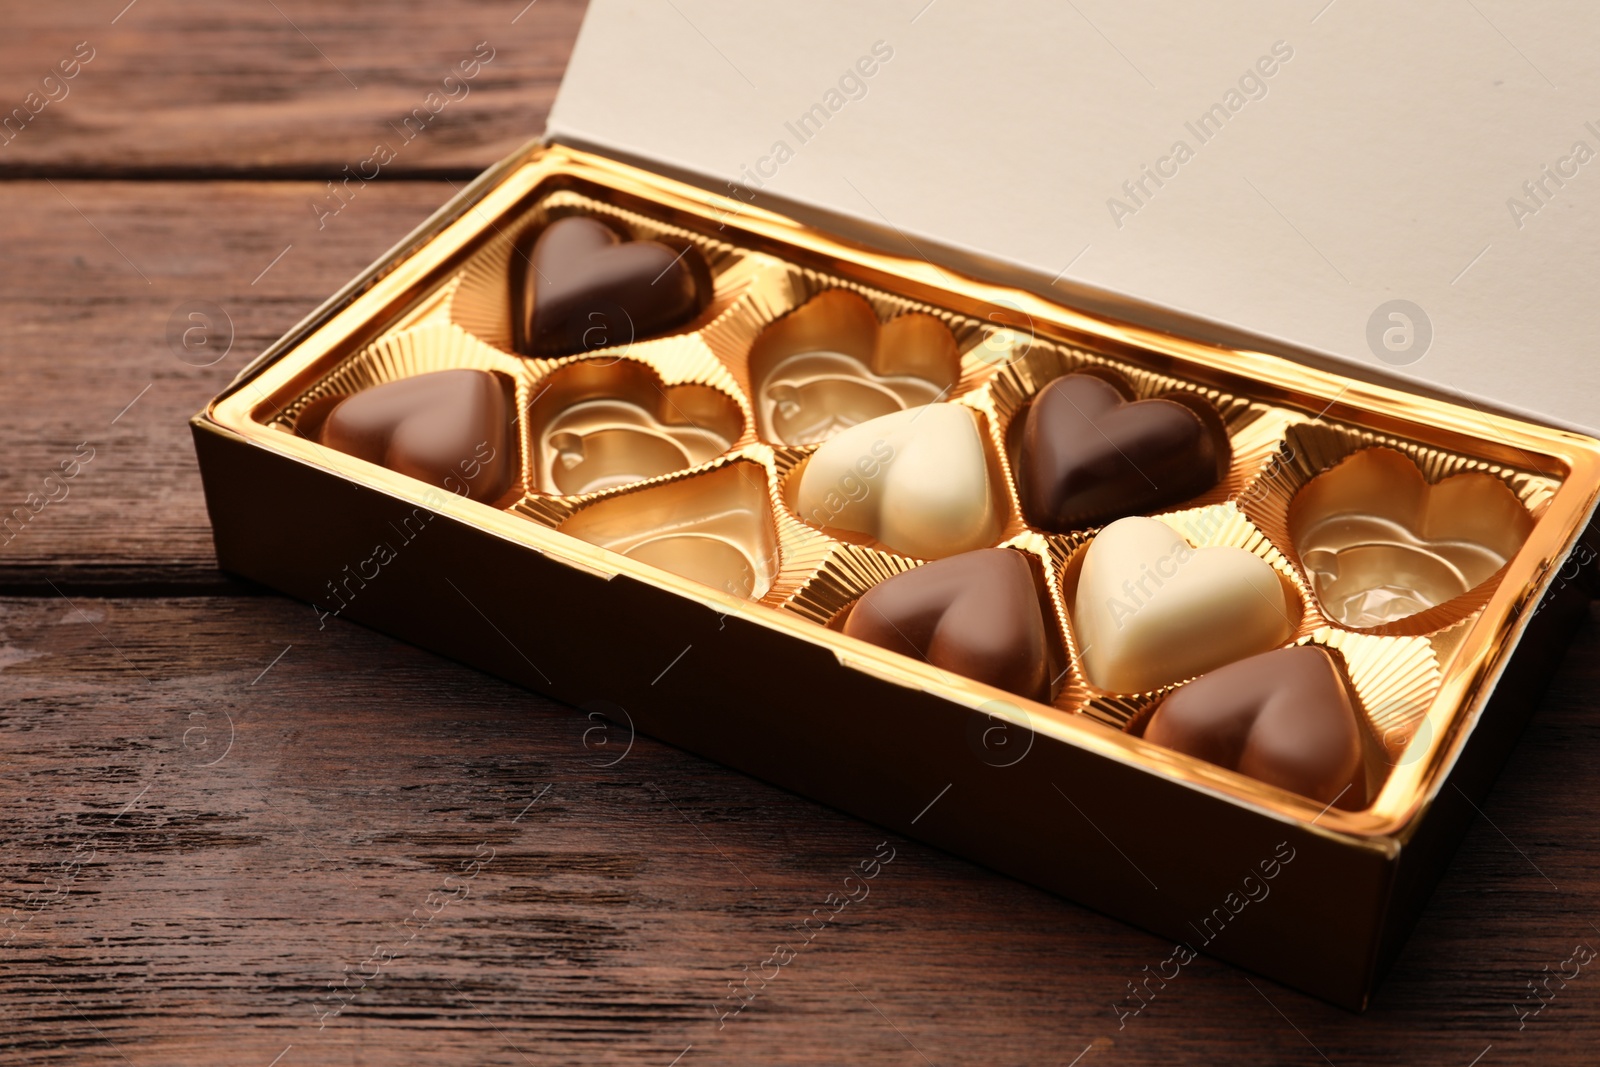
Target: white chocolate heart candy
x,y
1151,609
915,480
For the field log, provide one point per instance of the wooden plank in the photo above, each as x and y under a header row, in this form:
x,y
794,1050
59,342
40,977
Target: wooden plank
x,y
288,87
91,274
220,810
226,832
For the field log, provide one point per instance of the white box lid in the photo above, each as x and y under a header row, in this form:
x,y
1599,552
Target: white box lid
x,y
1379,161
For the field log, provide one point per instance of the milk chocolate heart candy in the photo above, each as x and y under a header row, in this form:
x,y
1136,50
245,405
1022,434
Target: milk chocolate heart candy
x,y
451,428
916,480
581,286
1283,717
976,614
1151,609
1090,453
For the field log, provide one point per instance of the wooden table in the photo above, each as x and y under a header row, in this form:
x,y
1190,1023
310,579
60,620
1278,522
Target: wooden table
x,y
227,832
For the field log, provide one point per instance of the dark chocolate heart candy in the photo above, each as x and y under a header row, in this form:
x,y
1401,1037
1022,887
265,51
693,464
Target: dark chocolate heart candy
x,y
583,287
1090,453
1283,717
975,614
451,428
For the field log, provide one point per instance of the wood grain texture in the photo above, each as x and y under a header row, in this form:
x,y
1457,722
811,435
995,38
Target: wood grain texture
x,y
209,847
215,816
288,87
91,275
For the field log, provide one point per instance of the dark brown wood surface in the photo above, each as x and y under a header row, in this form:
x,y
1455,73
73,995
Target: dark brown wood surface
x,y
229,837
277,87
93,272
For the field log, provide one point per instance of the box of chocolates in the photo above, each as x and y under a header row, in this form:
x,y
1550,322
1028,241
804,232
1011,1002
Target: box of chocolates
x,y
1207,639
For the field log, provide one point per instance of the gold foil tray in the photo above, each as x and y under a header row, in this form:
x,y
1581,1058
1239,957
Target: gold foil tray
x,y
675,459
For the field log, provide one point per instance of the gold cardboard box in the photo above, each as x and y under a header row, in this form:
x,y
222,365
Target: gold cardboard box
x,y
735,652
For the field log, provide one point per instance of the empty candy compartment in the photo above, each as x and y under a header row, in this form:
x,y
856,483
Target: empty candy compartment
x,y
817,353
715,528
1381,545
600,424
1389,546
829,364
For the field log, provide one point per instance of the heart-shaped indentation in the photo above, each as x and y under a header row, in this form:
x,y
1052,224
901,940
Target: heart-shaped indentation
x,y
917,481
1284,717
976,614
1381,545
1152,609
449,428
1090,452
580,286
596,427
829,365
714,528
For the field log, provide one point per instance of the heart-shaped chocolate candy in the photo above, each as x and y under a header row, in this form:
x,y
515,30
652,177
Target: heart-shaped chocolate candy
x,y
581,287
1091,453
450,428
1284,717
916,480
1151,609
829,364
976,614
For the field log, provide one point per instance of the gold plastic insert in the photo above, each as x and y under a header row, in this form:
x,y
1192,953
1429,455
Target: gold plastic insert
x,y
668,460
1382,545
716,530
828,365
600,424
